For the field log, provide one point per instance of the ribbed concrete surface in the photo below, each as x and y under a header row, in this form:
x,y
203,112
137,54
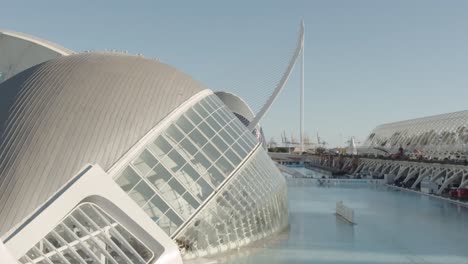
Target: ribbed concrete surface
x,y
64,113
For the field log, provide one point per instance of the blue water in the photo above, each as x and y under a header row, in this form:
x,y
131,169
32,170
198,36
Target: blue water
x,y
392,227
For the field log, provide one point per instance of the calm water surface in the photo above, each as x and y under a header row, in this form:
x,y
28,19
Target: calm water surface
x,y
392,227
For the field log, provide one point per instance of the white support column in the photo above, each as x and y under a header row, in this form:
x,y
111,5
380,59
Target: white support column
x,y
449,180
302,92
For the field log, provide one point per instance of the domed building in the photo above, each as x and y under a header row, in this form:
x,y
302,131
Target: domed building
x,y
115,158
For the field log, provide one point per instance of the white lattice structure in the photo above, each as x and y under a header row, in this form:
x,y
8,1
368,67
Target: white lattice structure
x,y
441,136
412,174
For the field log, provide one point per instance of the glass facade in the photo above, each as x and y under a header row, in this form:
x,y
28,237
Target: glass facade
x,y
257,132
88,236
194,180
251,206
183,165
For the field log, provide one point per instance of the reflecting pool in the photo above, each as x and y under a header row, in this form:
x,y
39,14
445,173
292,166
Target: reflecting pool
x,y
391,227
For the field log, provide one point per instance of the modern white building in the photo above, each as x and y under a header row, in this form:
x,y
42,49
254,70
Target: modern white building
x,y
441,136
115,158
19,51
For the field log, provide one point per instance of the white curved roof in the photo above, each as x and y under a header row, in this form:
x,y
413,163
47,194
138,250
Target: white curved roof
x,y
20,51
67,112
435,136
242,110
236,104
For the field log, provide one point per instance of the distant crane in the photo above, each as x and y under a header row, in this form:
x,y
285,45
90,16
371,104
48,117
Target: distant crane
x,y
321,142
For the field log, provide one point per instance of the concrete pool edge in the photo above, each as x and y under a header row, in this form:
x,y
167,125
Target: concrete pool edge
x,y
464,204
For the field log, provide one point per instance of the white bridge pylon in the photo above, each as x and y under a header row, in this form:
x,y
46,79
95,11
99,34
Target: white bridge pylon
x,y
261,113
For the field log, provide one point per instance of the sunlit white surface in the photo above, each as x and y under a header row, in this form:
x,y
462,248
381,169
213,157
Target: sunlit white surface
x,y
392,227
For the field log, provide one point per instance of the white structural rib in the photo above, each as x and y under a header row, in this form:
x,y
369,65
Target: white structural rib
x,y
284,79
38,41
302,94
19,52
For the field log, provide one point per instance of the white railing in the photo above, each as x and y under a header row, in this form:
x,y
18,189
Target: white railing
x,y
349,181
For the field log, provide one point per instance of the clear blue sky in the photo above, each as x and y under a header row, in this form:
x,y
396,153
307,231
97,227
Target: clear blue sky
x,y
367,62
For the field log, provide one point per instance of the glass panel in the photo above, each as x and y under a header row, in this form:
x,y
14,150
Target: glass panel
x,y
185,124
174,133
174,161
172,193
224,165
239,150
188,146
215,101
183,152
205,189
141,193
232,157
211,152
225,115
194,117
206,130
243,144
238,126
253,205
160,147
218,118
174,185
128,179
201,163
210,120
232,132
189,174
145,162
200,110
174,218
211,101
155,208
191,200
207,106
160,176
216,176
198,138
226,137
250,139
166,224
219,143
